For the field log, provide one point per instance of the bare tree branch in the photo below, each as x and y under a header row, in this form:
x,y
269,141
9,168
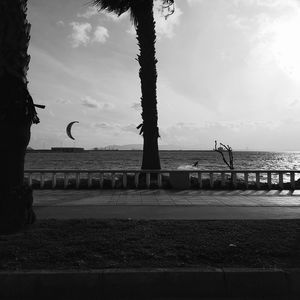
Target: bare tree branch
x,y
230,154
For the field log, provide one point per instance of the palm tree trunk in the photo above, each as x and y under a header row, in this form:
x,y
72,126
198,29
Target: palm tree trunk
x,y
148,75
16,116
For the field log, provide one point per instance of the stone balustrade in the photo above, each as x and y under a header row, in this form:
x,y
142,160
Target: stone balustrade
x,y
51,179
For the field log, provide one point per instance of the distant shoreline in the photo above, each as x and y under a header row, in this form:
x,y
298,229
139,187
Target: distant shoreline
x,y
87,150
137,150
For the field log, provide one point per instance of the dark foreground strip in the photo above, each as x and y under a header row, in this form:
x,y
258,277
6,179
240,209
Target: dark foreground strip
x,y
151,284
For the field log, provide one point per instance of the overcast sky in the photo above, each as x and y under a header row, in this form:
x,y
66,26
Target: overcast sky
x,y
227,70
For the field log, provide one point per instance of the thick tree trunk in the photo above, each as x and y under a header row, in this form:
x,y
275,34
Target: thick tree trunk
x,y
145,27
16,116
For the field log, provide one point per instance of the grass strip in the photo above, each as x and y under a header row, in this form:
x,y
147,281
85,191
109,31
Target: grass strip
x,y
97,244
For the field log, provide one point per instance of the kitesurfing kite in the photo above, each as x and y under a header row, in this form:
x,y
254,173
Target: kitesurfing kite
x,y
68,129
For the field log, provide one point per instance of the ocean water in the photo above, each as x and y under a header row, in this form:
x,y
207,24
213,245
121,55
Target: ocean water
x,y
209,160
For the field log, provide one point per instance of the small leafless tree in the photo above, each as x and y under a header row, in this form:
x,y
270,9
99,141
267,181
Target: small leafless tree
x,y
221,149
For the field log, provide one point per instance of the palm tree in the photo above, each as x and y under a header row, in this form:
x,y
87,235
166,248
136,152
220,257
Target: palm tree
x,y
17,113
141,13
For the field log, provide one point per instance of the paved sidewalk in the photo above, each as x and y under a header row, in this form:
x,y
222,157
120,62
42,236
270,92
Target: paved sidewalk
x,y
167,204
166,197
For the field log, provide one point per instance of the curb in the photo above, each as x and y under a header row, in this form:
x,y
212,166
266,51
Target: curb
x,y
150,283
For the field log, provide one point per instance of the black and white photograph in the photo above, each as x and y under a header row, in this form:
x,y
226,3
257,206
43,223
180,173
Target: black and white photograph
x,y
149,149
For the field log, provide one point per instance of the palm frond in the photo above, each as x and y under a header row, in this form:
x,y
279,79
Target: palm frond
x,y
121,6
117,6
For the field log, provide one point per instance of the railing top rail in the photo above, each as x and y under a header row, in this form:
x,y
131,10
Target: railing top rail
x,y
155,171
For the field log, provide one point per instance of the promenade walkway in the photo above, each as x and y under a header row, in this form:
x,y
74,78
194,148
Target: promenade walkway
x,y
167,204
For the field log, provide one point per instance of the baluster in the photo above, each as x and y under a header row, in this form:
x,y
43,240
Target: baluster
x,y
113,180
42,180
124,180
89,180
246,179
281,180
211,179
148,180
77,180
200,180
53,180
269,180
101,180
257,175
136,180
233,179
30,179
26,176
159,180
292,175
223,179
66,180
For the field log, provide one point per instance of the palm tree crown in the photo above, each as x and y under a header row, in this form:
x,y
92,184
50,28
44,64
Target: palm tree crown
x,y
121,6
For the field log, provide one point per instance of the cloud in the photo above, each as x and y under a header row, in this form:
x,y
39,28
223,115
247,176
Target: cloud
x,y
50,112
53,65
89,102
275,41
113,17
166,27
193,2
117,128
91,11
92,103
130,128
279,7
294,103
265,3
106,106
60,23
136,106
131,30
80,34
239,22
100,34
105,125
63,101
202,135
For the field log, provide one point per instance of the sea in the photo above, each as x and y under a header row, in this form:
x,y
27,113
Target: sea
x,y
177,159
170,160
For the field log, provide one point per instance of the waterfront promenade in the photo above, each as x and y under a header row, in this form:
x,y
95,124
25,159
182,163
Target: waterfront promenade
x,y
167,204
192,282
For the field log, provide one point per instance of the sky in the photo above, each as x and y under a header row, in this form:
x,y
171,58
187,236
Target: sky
x,y
228,70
